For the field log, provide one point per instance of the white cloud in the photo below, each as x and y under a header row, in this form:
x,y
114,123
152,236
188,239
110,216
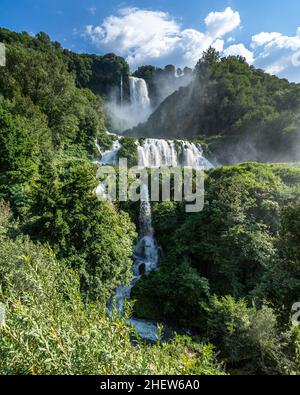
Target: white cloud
x,y
220,23
240,49
263,38
144,36
276,53
137,34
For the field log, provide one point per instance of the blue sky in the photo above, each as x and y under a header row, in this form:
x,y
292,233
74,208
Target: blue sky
x,y
159,32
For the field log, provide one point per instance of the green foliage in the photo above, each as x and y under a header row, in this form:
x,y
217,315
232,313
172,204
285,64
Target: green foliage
x,y
87,234
50,330
98,73
41,78
249,338
232,240
129,151
250,114
174,294
19,158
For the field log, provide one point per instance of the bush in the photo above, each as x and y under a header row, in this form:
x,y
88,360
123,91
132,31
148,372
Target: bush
x,y
176,294
249,339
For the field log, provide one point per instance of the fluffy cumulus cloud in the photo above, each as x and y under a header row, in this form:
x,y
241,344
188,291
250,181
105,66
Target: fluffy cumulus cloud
x,y
241,50
220,23
137,34
143,36
278,54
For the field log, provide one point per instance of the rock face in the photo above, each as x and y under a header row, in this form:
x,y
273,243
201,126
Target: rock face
x,y
174,118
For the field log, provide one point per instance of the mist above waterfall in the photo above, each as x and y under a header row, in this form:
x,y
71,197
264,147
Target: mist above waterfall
x,y
127,114
167,83
144,96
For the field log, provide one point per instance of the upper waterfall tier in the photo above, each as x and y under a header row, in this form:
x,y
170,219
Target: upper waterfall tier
x,y
139,96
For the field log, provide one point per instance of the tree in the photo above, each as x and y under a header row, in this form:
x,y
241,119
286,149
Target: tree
x,y
281,282
206,63
85,233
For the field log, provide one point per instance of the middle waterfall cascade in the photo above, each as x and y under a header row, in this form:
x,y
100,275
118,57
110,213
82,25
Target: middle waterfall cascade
x,y
146,251
157,153
154,153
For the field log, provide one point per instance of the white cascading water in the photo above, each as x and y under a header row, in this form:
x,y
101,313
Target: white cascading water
x,y
121,90
110,157
145,254
126,114
153,153
157,153
139,96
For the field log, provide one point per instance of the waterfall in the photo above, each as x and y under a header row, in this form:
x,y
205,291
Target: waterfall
x,y
157,153
121,91
125,114
152,153
110,157
146,251
145,254
139,96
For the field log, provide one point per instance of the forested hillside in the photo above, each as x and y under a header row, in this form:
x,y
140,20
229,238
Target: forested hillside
x,y
228,275
231,272
242,113
62,251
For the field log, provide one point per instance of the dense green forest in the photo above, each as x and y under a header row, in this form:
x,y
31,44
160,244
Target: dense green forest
x,y
242,113
228,276
231,272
